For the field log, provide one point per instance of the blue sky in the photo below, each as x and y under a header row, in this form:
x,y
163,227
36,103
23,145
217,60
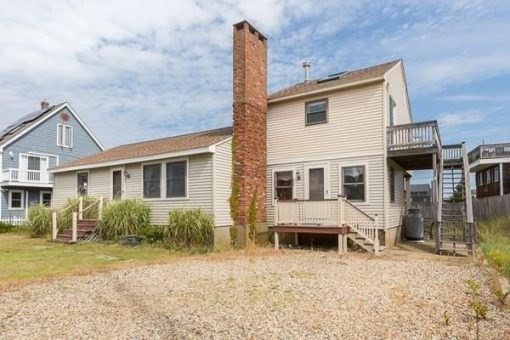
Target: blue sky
x,y
138,70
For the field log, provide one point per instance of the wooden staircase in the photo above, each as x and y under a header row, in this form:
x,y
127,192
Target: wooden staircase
x,y
85,227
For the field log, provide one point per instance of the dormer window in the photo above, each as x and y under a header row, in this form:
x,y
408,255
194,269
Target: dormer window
x,y
316,112
64,135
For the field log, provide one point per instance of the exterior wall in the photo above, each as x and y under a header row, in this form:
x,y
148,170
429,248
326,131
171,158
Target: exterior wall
x,y
30,196
222,178
396,88
395,209
374,184
100,184
250,111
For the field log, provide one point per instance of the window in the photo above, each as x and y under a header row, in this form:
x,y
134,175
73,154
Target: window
x,y
392,111
392,185
16,200
316,184
283,185
64,135
46,198
176,179
316,112
152,181
495,175
116,184
354,182
82,181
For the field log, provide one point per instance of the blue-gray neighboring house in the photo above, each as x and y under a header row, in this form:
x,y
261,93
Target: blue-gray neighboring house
x,y
40,140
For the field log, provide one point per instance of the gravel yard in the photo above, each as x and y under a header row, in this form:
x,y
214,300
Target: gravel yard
x,y
291,294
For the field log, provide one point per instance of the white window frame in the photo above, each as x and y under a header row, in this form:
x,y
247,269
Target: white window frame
x,y
22,192
76,181
60,141
123,182
273,182
41,193
367,179
316,101
306,179
161,182
164,176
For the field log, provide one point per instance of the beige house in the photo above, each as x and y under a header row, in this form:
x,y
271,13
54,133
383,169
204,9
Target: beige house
x,y
323,156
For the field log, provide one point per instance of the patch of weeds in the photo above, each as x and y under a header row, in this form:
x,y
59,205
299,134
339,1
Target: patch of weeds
x,y
447,318
478,307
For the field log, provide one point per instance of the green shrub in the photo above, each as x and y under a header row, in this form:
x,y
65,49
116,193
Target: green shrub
x,y
39,220
65,218
124,217
7,228
494,240
189,228
153,233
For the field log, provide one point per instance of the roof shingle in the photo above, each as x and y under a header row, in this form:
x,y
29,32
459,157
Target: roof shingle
x,y
154,147
343,79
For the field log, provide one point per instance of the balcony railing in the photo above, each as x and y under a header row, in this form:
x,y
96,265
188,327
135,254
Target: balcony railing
x,y
413,136
489,151
26,176
452,153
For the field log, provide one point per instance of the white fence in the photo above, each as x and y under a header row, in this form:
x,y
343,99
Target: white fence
x,y
13,220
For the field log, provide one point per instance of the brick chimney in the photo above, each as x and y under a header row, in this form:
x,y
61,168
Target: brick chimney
x,y
250,120
45,105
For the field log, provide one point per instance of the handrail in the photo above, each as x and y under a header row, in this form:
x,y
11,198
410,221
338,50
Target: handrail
x,y
90,206
359,210
489,151
410,125
413,135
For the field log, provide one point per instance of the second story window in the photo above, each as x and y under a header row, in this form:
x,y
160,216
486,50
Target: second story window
x,y
316,112
64,135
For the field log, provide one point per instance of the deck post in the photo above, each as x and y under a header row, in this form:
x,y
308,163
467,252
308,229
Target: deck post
x,y
100,209
340,244
276,241
80,208
376,236
54,228
75,227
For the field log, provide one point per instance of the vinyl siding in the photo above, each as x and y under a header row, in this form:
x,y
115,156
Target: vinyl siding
x,y
222,183
374,166
397,89
395,209
199,187
355,125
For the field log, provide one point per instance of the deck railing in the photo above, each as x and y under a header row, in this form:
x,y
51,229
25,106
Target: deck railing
x,y
452,153
26,176
413,136
489,151
331,213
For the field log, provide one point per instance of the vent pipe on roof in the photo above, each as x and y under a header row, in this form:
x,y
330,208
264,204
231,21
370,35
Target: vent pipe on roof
x,y
45,105
306,66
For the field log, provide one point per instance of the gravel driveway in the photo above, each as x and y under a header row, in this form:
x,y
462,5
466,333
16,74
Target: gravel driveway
x,y
291,294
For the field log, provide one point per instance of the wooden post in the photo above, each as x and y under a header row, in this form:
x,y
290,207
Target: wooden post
x,y
376,241
100,209
54,228
276,241
340,244
80,208
75,227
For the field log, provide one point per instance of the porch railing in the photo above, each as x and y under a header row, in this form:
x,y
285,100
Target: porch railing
x,y
331,213
489,151
413,136
453,153
31,176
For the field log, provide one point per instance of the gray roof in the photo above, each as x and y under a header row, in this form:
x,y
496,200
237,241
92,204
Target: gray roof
x,y
420,187
24,123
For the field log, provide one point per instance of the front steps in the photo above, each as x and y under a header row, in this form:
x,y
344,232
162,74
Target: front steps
x,y
364,243
85,227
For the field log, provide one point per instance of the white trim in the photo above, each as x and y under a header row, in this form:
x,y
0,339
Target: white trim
x,y
160,181
48,116
366,175
501,186
351,155
71,135
327,89
306,186
151,158
122,182
76,181
213,188
273,183
22,192
163,178
186,197
45,192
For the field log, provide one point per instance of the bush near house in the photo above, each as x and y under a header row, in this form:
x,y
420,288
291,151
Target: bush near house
x,y
494,240
124,217
7,228
39,220
189,228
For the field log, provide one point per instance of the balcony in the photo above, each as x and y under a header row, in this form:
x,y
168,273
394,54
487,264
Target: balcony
x,y
20,177
413,145
489,151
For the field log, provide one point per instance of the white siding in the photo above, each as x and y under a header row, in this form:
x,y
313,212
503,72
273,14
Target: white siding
x,y
355,125
395,209
222,168
199,187
397,89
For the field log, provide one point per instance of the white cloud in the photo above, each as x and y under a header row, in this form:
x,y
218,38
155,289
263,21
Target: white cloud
x,y
458,119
